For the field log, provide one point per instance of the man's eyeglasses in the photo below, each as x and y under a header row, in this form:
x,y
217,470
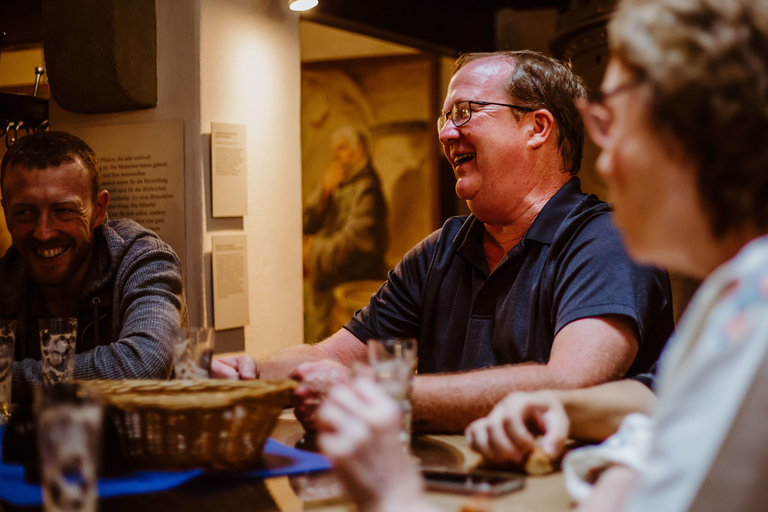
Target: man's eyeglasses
x,y
461,112
597,117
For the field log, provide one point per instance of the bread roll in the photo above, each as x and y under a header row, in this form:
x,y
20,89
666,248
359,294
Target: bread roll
x,y
538,463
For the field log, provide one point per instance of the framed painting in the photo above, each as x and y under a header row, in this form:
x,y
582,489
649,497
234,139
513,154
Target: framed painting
x,y
369,177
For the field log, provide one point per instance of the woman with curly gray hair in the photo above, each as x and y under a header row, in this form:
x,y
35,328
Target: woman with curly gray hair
x,y
682,122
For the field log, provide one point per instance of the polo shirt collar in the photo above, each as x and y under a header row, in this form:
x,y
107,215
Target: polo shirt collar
x,y
550,218
471,247
543,229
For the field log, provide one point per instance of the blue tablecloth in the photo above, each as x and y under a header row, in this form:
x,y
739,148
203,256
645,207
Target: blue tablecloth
x,y
278,460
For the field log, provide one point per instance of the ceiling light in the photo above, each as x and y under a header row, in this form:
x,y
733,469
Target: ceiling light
x,y
302,5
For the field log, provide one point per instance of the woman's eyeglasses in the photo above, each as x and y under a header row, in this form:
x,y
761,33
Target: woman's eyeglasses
x,y
597,117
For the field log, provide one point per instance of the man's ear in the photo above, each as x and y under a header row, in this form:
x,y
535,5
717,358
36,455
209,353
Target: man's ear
x,y
100,208
542,129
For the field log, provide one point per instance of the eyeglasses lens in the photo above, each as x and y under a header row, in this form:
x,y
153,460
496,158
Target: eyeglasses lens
x,y
460,114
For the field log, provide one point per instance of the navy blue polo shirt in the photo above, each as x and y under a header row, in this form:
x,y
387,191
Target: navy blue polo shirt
x,y
571,264
648,378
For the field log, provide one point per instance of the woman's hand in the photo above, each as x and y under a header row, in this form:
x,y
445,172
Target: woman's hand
x,y
507,435
360,430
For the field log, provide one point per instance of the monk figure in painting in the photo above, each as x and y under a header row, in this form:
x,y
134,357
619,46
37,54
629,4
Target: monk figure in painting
x,y
345,229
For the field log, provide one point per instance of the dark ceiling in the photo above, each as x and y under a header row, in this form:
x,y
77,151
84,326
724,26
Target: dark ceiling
x,y
448,26
22,22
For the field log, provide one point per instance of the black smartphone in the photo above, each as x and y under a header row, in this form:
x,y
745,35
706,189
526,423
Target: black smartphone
x,y
491,483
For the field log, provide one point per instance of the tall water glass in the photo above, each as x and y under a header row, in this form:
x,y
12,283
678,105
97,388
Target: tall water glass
x,y
7,345
68,437
58,337
393,361
193,352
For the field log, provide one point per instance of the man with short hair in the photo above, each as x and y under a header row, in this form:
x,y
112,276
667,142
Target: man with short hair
x,y
532,290
122,283
678,118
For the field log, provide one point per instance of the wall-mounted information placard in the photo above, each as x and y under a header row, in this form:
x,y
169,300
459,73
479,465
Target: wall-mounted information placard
x,y
230,281
228,170
142,167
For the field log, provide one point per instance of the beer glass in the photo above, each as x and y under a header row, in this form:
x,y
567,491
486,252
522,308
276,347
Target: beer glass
x,y
68,437
393,361
57,346
193,352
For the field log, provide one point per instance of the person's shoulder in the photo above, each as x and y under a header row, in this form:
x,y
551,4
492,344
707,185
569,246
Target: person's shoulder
x,y
124,235
588,234
590,217
589,208
749,264
567,212
754,252
453,227
7,258
442,238
456,223
10,265
128,230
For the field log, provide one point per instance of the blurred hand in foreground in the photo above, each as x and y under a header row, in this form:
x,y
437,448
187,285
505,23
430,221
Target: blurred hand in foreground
x,y
360,430
315,380
234,367
507,435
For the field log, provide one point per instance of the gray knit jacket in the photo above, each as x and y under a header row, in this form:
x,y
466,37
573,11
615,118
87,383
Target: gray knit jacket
x,y
135,293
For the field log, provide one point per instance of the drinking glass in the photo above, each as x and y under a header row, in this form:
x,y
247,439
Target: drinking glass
x,y
393,361
7,344
57,346
68,437
193,352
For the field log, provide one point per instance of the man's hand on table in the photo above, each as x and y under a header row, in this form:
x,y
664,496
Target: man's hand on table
x,y
315,380
507,435
235,367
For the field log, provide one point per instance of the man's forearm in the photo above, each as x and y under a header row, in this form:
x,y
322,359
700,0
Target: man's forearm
x,y
280,364
448,403
343,348
596,413
586,352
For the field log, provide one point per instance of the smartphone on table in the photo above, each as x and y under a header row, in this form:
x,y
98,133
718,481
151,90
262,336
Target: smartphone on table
x,y
474,481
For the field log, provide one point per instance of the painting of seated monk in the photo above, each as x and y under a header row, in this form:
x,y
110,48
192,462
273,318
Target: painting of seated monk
x,y
369,192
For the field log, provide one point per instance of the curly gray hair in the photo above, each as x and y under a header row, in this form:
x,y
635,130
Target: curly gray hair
x,y
707,65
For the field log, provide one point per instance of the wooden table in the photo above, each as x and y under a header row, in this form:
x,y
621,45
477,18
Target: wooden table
x,y
321,491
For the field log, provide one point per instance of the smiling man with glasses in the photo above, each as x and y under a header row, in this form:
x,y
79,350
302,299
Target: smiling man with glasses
x,y
532,290
461,112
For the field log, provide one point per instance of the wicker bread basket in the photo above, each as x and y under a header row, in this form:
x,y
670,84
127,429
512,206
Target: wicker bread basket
x,y
183,424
